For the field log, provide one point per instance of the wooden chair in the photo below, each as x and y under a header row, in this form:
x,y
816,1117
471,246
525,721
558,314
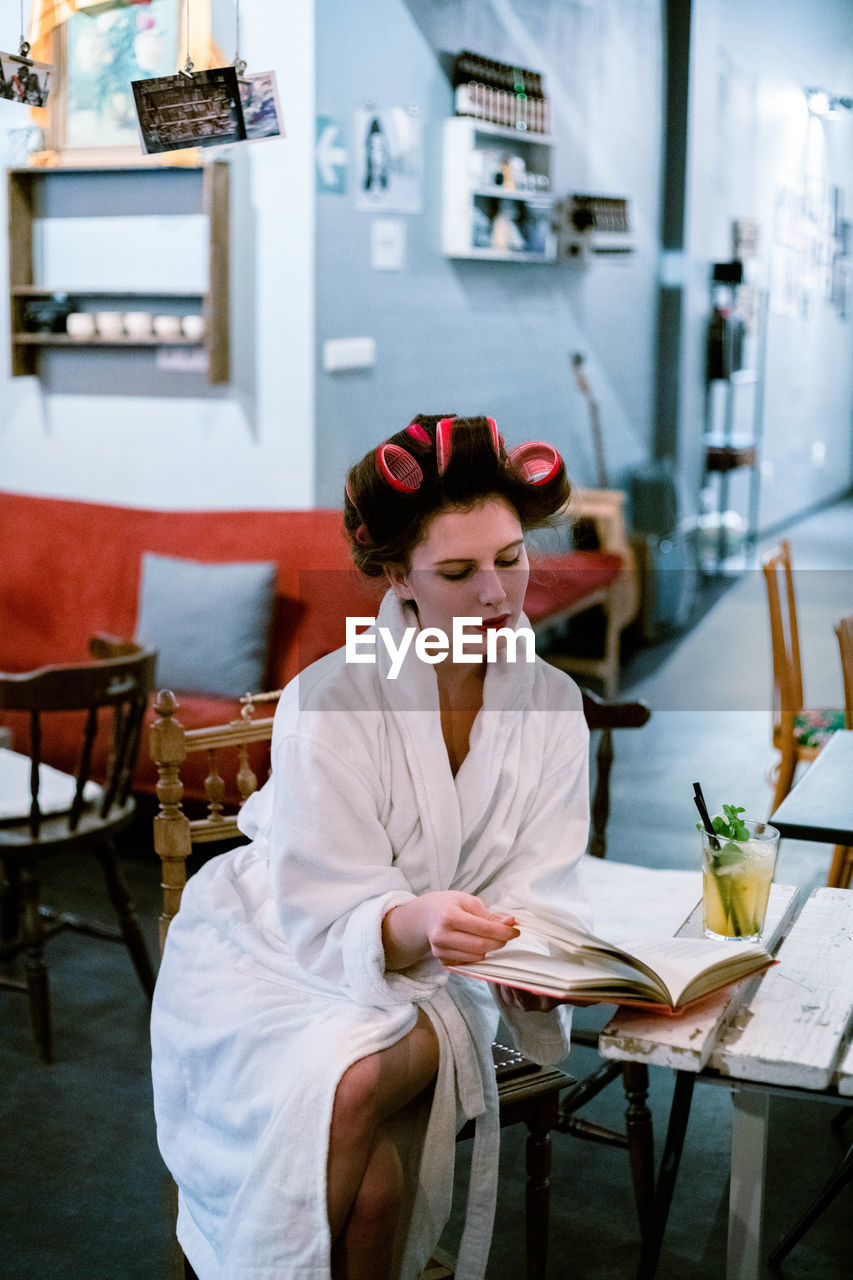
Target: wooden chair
x,y
109,696
844,632
526,1093
841,868
799,732
600,510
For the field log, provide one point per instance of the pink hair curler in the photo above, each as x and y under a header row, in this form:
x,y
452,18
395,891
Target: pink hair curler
x,y
399,468
537,461
419,433
496,439
444,438
443,433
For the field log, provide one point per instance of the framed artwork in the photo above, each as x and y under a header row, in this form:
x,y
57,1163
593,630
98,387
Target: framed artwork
x,y
98,52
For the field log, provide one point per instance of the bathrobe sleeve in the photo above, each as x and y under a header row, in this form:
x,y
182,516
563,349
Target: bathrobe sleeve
x,y
334,875
542,870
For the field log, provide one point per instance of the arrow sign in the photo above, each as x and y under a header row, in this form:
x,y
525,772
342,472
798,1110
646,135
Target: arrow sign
x,y
332,158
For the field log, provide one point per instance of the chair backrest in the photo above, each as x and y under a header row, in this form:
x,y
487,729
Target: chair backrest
x,y
784,635
108,695
229,757
844,631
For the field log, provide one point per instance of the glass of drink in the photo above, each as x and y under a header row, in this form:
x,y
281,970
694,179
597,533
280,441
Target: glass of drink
x,y
736,878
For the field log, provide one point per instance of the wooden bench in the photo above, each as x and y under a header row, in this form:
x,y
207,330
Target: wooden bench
x,y
563,586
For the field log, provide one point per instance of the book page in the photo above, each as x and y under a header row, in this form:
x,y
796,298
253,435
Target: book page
x,y
672,970
691,966
563,975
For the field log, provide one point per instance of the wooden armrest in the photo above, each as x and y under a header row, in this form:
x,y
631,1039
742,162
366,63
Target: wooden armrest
x,y
104,646
603,714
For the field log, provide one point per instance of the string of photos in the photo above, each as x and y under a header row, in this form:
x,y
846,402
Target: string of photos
x,y
21,79
207,108
189,109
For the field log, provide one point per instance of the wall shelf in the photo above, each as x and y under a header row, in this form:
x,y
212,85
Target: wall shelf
x,y
496,221
36,194
120,340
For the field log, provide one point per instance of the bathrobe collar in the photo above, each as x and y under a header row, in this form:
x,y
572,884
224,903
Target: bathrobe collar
x,y
412,701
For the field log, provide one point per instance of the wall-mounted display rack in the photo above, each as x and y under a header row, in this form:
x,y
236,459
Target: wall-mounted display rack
x,y
496,193
36,193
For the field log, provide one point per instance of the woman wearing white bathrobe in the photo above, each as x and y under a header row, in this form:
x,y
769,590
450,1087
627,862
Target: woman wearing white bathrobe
x,y
312,1057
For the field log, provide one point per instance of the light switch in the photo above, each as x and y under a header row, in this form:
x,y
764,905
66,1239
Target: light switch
x,y
340,354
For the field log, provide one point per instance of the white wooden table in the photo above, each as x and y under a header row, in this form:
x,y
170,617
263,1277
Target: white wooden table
x,y
786,1032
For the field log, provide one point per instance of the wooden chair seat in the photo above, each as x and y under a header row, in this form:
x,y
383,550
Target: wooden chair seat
x,y
108,696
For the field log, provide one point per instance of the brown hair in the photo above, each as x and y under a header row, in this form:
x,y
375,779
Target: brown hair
x,y
385,524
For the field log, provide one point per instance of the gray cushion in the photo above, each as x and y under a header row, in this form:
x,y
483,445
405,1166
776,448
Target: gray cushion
x,y
210,623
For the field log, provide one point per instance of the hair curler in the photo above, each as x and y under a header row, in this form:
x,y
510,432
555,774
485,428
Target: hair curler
x,y
419,433
444,441
443,435
398,468
537,461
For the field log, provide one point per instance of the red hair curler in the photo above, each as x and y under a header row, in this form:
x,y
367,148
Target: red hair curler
x,y
419,433
444,441
443,434
496,439
398,468
537,461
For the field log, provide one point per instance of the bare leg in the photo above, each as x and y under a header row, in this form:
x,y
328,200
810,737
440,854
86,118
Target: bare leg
x,y
371,1090
365,1246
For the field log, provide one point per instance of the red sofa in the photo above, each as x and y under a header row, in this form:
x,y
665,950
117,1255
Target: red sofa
x,y
71,569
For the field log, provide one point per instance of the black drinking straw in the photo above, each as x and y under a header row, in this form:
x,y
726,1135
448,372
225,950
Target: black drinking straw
x,y
699,801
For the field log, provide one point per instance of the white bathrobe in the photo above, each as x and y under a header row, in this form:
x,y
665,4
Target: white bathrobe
x,y
273,979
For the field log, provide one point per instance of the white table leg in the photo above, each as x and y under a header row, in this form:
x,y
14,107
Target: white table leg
x,y
745,1259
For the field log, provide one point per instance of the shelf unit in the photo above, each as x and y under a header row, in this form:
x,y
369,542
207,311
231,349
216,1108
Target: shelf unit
x,y
470,205
162,189
729,447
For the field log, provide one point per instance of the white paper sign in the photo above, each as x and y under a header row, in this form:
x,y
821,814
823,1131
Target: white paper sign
x,y
387,244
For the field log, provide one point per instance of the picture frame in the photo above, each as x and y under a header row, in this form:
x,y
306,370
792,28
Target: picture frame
x,y
98,51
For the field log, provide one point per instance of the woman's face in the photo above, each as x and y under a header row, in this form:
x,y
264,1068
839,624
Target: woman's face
x,y
471,563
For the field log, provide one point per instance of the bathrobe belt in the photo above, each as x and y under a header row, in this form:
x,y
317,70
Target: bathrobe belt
x,y
466,1075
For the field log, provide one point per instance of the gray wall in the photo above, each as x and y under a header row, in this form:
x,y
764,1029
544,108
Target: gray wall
x,y
481,337
495,337
750,137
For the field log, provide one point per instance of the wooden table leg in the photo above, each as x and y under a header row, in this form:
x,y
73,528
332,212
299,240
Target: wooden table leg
x,y
746,1193
640,1136
678,1116
538,1167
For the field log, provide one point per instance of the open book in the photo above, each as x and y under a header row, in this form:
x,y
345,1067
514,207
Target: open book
x,y
554,958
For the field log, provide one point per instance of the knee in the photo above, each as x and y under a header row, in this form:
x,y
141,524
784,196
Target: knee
x,y
357,1099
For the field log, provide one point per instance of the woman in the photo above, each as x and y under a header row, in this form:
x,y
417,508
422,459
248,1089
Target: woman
x,y
313,1058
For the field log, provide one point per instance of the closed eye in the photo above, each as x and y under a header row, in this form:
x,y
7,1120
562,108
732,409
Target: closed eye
x,y
464,573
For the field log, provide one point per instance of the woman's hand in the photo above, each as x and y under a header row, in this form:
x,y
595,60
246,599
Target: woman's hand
x,y
454,927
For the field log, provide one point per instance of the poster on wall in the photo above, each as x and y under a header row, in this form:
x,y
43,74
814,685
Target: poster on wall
x,y
388,161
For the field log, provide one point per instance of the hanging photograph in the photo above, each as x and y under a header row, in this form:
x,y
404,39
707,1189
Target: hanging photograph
x,y
100,53
388,154
22,80
261,112
201,110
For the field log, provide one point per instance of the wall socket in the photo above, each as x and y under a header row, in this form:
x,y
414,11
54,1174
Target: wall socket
x,y
340,354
